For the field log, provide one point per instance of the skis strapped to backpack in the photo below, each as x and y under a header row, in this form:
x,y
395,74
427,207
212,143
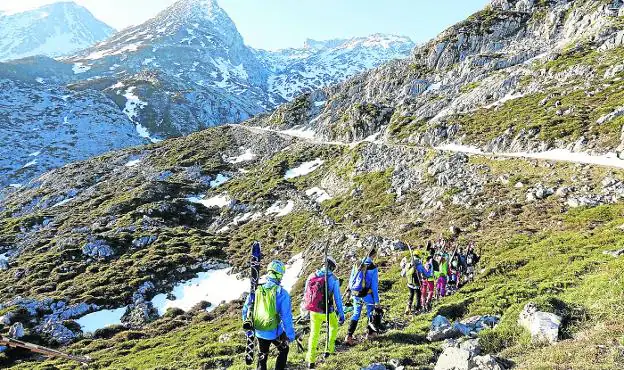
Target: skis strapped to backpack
x,y
248,326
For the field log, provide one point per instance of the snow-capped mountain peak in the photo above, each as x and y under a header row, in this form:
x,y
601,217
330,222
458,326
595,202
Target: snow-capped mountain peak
x,y
52,30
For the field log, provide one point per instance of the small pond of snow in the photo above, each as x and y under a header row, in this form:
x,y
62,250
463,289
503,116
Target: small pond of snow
x,y
101,319
304,169
280,210
218,201
317,194
215,286
218,181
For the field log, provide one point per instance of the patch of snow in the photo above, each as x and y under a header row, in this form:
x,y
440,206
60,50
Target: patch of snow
x,y
504,99
63,202
280,211
16,186
218,181
218,201
246,156
319,195
215,286
30,164
80,68
302,132
434,87
133,163
304,169
40,80
293,270
101,319
320,103
34,154
132,103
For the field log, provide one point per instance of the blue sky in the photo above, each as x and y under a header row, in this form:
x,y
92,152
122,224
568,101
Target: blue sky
x,y
274,24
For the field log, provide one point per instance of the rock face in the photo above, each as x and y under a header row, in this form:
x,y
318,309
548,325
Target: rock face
x,y
52,30
97,249
16,331
543,326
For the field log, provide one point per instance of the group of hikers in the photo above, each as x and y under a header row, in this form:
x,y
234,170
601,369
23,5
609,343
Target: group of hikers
x,y
322,301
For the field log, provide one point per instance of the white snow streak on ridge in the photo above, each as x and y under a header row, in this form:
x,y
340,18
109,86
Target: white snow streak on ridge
x,y
213,286
132,104
101,319
293,270
30,164
279,211
319,195
304,169
218,201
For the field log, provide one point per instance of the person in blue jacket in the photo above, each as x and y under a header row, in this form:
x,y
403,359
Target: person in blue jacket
x,y
364,287
278,309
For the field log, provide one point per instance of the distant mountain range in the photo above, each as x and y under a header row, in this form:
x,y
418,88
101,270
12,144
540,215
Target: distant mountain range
x,y
52,30
186,69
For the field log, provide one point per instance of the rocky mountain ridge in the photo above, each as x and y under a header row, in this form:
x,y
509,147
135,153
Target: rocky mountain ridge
x,y
184,70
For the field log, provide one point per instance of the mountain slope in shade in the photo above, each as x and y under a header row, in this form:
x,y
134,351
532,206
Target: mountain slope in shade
x,y
52,30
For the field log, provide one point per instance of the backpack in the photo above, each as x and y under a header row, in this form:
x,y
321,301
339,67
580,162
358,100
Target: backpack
x,y
412,277
265,315
358,284
314,296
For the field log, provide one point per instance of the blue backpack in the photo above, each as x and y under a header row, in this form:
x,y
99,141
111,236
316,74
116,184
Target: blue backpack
x,y
358,283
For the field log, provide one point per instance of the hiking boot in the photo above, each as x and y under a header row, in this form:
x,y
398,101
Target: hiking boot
x,y
408,310
312,365
349,341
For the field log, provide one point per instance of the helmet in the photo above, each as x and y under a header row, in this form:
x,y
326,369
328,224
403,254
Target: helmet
x,y
277,268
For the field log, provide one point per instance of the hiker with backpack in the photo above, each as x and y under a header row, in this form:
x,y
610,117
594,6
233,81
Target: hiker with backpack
x,y
272,317
364,287
413,271
441,275
472,258
314,302
426,289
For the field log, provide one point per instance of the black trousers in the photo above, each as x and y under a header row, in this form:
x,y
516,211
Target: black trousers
x,y
264,346
414,293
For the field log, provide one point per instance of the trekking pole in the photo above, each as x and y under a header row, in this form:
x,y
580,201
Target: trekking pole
x,y
327,295
14,343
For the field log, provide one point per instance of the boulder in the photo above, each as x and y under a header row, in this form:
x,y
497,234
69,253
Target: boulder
x,y
16,331
4,264
453,358
139,315
97,249
543,326
487,362
55,331
464,354
441,328
375,367
500,4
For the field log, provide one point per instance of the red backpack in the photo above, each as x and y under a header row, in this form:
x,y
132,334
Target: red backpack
x,y
314,297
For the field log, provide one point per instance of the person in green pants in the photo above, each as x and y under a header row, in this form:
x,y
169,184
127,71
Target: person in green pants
x,y
314,302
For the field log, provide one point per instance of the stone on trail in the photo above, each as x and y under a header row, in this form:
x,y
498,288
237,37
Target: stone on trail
x,y
463,354
617,253
16,331
441,328
543,326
